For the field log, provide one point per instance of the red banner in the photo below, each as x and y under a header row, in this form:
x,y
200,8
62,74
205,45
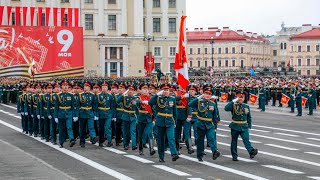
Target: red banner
x,y
32,15
25,13
70,17
1,14
76,17
17,16
47,15
253,99
55,16
149,63
304,101
39,16
62,16
285,99
51,48
9,8
224,97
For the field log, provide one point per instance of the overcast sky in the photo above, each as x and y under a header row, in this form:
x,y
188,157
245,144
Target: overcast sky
x,y
260,16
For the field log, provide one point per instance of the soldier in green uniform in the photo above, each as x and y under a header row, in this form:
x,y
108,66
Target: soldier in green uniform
x,y
292,97
116,91
29,108
105,109
64,112
207,122
298,99
46,110
273,93
166,109
84,111
53,124
193,111
36,109
240,125
129,117
1,92
311,99
262,97
77,89
21,110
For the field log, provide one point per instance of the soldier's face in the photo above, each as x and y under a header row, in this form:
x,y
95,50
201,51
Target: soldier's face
x,y
207,96
96,89
87,88
57,89
114,90
152,91
192,92
144,91
49,90
121,90
105,88
241,99
166,92
130,92
65,87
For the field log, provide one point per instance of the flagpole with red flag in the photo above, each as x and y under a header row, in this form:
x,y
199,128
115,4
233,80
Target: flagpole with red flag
x,y
288,63
181,62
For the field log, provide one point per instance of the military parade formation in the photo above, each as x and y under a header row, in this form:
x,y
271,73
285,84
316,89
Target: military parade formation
x,y
138,113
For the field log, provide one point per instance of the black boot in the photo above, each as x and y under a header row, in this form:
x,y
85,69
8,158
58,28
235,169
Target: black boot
x,y
253,153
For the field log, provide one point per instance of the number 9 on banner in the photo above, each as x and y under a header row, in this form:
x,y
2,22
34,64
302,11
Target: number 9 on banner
x,y
65,42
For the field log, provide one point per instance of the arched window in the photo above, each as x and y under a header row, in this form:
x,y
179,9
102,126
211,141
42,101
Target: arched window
x,y
281,46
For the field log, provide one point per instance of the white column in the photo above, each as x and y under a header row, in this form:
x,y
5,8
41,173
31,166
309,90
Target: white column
x,y
101,27
108,70
118,52
108,52
165,20
125,60
102,61
118,69
124,19
138,17
149,19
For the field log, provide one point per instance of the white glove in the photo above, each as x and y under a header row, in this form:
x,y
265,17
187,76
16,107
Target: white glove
x,y
75,119
235,100
32,115
199,97
26,113
38,116
160,93
145,102
56,120
188,119
214,97
114,119
294,96
96,118
50,117
126,92
22,113
186,95
42,117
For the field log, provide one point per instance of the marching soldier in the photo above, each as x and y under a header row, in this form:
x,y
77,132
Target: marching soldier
x,y
192,111
166,109
311,99
36,109
240,125
77,89
22,111
298,100
47,110
207,122
292,98
262,97
117,121
273,93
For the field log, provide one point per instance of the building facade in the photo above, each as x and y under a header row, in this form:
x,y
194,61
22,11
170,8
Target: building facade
x,y
119,33
227,50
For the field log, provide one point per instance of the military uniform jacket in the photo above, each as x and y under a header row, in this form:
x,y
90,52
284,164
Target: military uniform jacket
x,y
20,104
28,104
241,116
46,105
207,113
145,111
119,107
166,108
85,106
299,98
182,106
64,105
292,92
105,104
129,109
262,92
36,102
192,110
311,94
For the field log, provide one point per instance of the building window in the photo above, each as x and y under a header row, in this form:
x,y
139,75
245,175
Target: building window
x,y
299,48
205,50
317,62
191,51
241,63
299,72
308,72
199,63
172,51
308,48
285,45
88,1
274,52
291,48
43,17
241,50
212,63
299,62
121,52
226,63
113,52
212,51
233,63
64,1
172,3
281,46
65,20
157,51
172,25
89,21
205,63
112,22
274,64
156,24
227,50
199,50
308,62
233,50
219,63
13,22
190,63
112,1
317,47
41,0
219,50
156,3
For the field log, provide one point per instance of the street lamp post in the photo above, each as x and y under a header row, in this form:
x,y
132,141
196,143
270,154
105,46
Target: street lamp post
x,y
149,53
211,42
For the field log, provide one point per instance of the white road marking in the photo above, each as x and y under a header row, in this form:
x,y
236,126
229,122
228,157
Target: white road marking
x,y
241,159
283,169
115,150
258,130
221,135
223,130
9,106
314,177
195,178
85,160
315,139
139,159
171,170
313,153
284,134
282,147
258,142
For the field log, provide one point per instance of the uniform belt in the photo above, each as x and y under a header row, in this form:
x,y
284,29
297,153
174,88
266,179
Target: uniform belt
x,y
180,107
194,112
144,112
165,114
35,106
86,108
128,111
103,109
204,119
119,109
239,122
261,93
47,108
65,107
279,90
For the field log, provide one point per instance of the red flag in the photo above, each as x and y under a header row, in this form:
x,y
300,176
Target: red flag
x,y
47,15
17,16
55,16
25,12
70,17
304,101
288,63
39,16
285,99
32,10
9,8
1,14
319,104
224,97
253,98
252,66
62,16
181,64
76,17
